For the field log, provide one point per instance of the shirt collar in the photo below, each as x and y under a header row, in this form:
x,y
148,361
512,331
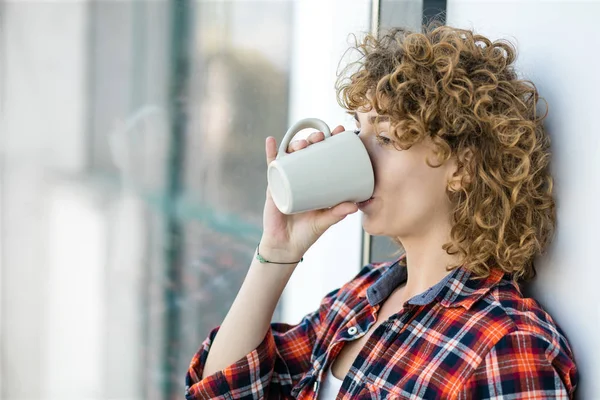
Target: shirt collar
x,y
458,288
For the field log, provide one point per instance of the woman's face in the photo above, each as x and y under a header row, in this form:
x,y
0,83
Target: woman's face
x,y
410,198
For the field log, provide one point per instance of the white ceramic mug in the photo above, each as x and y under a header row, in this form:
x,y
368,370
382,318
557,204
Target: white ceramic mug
x,y
332,171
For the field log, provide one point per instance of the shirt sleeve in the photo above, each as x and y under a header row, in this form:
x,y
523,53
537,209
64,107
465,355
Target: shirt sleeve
x,y
268,372
524,365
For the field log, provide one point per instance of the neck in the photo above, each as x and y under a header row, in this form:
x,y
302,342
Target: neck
x,y
426,261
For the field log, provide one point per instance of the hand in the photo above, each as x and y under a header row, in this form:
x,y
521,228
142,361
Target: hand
x,y
287,237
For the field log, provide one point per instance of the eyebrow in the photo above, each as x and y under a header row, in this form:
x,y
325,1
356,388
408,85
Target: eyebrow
x,y
382,118
372,119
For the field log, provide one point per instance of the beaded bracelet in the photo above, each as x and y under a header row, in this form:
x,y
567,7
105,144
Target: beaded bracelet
x,y
265,261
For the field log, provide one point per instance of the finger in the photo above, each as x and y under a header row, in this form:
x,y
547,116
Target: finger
x,y
338,129
297,145
343,209
334,215
315,137
270,149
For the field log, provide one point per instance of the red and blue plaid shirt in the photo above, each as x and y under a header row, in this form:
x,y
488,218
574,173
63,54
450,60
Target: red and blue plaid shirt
x,y
464,338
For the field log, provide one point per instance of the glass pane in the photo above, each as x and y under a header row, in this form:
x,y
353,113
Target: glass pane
x,y
131,200
238,96
384,249
405,13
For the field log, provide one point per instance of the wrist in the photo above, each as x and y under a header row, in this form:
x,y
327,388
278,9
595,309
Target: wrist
x,y
276,255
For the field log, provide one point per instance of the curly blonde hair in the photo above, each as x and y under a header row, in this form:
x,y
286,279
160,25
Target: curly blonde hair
x,y
460,89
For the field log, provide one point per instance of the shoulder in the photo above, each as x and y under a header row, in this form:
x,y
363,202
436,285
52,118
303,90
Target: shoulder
x,y
505,305
491,310
531,345
519,326
512,339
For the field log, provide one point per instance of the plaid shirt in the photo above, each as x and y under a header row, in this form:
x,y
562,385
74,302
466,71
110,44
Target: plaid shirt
x,y
464,338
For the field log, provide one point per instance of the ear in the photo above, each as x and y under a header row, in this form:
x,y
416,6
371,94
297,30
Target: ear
x,y
459,176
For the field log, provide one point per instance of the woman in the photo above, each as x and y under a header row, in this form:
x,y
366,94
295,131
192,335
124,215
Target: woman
x,y
461,164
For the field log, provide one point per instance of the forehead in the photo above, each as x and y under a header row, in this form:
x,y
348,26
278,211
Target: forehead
x,y
370,116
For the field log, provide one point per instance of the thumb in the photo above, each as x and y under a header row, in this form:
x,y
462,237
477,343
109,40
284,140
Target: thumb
x,y
270,149
334,215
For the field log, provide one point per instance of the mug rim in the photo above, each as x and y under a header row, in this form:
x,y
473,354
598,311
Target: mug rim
x,y
274,166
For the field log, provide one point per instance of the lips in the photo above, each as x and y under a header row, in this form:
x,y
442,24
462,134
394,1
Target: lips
x,y
364,203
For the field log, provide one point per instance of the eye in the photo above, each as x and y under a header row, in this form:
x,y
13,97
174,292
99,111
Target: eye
x,y
382,140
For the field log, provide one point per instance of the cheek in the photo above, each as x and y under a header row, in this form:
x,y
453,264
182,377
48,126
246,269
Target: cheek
x,y
392,173
410,184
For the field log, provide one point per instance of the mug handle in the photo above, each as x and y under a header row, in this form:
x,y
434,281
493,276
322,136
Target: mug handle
x,y
297,127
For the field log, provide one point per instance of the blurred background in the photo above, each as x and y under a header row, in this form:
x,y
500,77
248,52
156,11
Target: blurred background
x,y
132,173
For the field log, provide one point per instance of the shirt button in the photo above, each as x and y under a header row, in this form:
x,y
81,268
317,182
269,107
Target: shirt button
x,y
352,330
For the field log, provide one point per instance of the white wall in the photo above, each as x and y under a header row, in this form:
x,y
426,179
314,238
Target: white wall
x,y
42,116
75,321
320,40
70,291
558,51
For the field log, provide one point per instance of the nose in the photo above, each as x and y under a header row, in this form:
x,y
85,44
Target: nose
x,y
366,142
368,146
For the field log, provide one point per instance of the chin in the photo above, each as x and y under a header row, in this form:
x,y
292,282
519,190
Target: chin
x,y
372,227
380,227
